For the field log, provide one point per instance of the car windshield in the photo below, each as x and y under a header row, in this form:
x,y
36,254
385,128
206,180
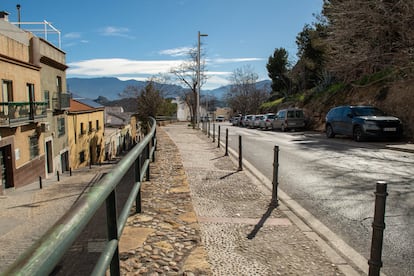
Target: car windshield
x,y
368,111
295,114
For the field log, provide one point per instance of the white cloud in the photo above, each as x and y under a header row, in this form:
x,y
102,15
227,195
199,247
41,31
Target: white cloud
x,y
125,69
73,35
215,81
233,60
116,31
176,52
118,67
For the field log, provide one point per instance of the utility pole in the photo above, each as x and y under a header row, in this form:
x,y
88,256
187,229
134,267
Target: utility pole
x,y
198,77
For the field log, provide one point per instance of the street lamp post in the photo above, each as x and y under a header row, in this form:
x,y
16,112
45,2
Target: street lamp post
x,y
198,78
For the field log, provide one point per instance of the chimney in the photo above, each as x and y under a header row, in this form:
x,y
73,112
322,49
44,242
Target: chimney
x,y
4,16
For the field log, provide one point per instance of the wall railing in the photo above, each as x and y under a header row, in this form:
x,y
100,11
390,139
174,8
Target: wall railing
x,y
48,251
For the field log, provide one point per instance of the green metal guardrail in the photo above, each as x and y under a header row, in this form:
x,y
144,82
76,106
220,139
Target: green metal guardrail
x,y
42,257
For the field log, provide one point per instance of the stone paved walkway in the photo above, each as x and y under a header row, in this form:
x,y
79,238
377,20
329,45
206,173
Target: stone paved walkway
x,y
203,217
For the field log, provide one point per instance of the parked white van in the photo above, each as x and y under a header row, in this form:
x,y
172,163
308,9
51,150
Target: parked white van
x,y
291,118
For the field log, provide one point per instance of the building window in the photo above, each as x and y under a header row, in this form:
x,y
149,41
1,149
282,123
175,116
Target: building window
x,y
34,146
58,84
46,95
7,91
30,92
82,129
61,126
97,125
90,127
6,96
82,156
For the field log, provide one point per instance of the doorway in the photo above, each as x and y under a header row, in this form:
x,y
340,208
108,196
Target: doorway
x,y
49,157
64,160
6,167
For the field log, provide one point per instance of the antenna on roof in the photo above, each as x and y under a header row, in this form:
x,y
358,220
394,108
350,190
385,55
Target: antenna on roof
x,y
18,14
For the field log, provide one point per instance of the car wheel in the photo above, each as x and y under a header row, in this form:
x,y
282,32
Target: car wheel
x,y
358,134
283,128
329,132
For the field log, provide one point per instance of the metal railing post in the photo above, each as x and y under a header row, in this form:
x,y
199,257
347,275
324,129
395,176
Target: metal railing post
x,y
138,164
227,143
153,144
275,182
148,152
240,154
40,182
208,129
57,175
112,228
378,226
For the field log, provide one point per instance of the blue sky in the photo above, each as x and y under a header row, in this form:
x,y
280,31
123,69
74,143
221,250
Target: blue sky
x,y
136,39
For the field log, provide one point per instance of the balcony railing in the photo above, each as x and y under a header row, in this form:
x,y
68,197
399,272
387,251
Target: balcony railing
x,y
15,113
61,101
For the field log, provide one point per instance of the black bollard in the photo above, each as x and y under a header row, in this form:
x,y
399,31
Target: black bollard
x,y
227,143
275,183
214,133
218,137
70,171
378,226
240,154
208,129
57,174
40,182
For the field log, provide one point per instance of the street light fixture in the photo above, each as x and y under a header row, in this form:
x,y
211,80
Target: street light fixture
x,y
198,79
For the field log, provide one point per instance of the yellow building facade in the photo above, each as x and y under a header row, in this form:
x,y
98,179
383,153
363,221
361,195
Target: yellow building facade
x,y
22,109
85,133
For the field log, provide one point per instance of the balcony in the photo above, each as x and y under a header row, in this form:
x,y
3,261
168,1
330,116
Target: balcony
x,y
61,101
18,113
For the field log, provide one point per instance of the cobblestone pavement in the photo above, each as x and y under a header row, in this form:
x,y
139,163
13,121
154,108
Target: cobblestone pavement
x,y
28,212
250,238
203,217
200,216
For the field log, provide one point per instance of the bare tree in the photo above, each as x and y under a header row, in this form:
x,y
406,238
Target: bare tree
x,y
243,96
186,73
368,36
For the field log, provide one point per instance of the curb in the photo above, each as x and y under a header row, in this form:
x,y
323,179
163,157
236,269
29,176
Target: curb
x,y
339,252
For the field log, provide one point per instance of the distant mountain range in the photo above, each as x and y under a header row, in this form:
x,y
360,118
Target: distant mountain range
x,y
111,88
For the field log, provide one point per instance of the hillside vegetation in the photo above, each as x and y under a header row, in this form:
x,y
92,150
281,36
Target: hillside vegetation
x,y
359,53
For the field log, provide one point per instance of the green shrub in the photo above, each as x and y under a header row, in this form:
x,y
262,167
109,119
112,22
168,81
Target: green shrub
x,y
375,77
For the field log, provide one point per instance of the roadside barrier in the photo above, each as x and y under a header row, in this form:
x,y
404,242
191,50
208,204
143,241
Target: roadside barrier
x,y
240,154
275,182
218,137
378,226
227,143
44,255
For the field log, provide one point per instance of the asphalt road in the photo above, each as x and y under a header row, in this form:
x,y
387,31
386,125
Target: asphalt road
x,y
335,180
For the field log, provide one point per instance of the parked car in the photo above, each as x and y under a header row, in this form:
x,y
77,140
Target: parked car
x,y
250,121
362,122
257,120
235,121
266,122
242,118
246,120
220,118
291,118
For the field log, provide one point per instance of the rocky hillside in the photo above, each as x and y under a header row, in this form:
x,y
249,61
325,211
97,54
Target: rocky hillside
x,y
395,98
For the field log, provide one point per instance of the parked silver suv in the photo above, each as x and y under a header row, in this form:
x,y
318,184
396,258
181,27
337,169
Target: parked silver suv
x,y
291,118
